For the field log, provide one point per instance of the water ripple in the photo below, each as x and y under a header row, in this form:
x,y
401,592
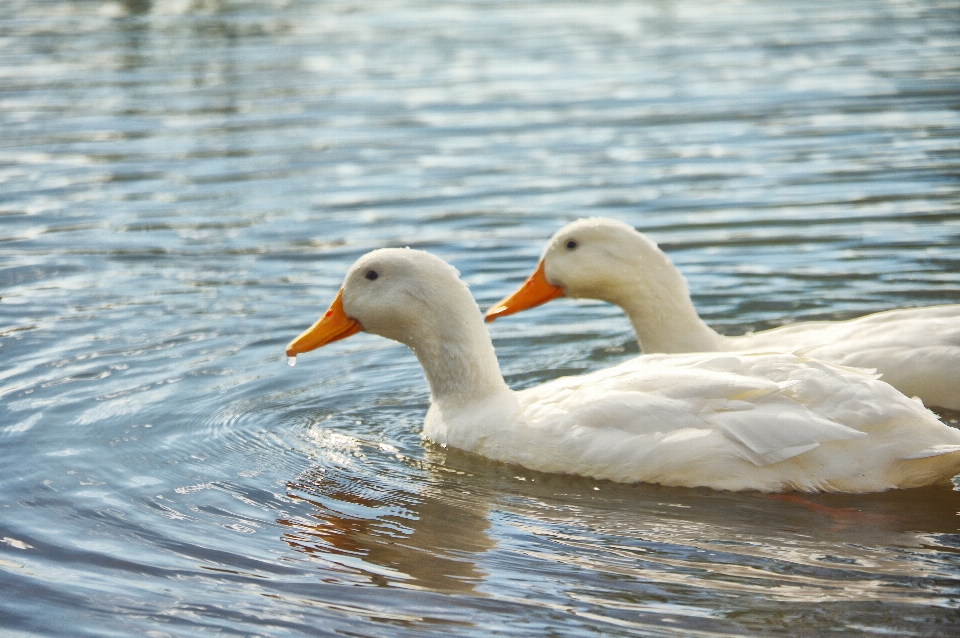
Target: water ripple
x,y
185,183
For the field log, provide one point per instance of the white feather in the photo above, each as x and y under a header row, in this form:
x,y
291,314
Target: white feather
x,y
917,350
770,422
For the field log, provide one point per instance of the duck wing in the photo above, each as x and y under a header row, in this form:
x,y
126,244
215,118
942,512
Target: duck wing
x,y
917,350
752,400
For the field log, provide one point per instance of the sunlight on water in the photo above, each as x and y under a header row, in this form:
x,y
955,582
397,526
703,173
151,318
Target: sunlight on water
x,y
183,186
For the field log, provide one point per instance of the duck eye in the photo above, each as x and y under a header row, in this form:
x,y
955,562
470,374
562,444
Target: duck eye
x,y
572,244
371,275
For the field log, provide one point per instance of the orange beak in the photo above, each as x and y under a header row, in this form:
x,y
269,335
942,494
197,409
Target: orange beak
x,y
332,326
535,290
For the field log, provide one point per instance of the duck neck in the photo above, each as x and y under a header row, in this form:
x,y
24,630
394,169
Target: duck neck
x,y
657,301
459,363
669,329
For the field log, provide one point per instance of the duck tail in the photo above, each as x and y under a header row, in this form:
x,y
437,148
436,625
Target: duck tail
x,y
933,450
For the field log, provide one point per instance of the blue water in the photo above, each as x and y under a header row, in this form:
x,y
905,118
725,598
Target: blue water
x,y
183,184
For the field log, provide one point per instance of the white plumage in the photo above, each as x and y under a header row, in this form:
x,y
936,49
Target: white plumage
x,y
917,350
770,422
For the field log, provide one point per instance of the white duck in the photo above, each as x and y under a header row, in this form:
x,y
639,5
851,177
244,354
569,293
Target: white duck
x,y
770,422
917,350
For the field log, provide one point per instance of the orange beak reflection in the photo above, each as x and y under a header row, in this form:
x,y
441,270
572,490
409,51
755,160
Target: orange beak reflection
x,y
535,290
332,326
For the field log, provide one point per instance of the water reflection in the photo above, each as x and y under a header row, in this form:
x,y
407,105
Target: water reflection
x,y
181,179
426,538
453,534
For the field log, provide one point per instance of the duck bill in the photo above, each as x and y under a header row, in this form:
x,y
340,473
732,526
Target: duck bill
x,y
334,325
535,290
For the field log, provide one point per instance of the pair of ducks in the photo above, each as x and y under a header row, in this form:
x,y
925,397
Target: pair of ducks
x,y
785,409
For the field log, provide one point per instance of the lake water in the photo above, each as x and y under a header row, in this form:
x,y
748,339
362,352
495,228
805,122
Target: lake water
x,y
183,184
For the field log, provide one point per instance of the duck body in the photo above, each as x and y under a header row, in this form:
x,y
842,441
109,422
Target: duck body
x,y
771,422
916,350
768,422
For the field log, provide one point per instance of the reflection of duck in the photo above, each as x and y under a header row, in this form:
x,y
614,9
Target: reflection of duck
x,y
770,422
422,539
917,350
657,528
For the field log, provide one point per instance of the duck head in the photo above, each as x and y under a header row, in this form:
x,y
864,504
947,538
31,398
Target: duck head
x,y
593,258
608,260
396,293
417,299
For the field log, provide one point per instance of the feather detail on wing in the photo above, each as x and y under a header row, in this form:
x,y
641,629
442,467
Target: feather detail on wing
x,y
934,450
764,419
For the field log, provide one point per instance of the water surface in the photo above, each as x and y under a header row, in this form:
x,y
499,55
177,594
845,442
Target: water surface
x,y
183,184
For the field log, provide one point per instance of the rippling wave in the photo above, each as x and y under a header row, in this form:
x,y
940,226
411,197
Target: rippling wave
x,y
183,184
